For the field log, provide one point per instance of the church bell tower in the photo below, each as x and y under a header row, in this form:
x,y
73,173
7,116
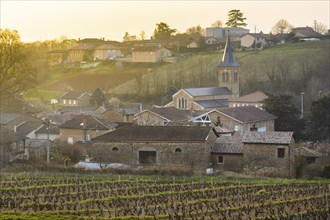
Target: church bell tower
x,y
228,71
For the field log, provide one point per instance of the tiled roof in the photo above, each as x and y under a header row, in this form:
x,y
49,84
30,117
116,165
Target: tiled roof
x,y
8,117
53,129
228,144
146,48
174,114
78,109
92,123
252,97
269,137
208,91
156,134
127,110
73,95
106,47
247,114
228,58
27,127
83,47
215,103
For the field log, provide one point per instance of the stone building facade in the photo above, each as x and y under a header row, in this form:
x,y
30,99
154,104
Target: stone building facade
x,y
163,148
269,153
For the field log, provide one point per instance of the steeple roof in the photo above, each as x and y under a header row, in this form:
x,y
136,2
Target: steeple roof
x,y
228,58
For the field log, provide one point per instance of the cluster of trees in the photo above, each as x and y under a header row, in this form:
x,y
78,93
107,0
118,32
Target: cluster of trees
x,y
312,126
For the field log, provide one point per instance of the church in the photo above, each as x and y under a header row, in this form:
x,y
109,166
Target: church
x,y
212,97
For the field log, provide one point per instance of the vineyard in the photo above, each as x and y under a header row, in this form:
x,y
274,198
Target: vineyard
x,y
136,197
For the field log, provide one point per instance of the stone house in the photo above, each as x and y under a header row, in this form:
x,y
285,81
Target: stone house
x,y
242,119
74,98
224,32
107,52
304,32
150,54
82,128
269,153
227,154
163,148
252,99
193,44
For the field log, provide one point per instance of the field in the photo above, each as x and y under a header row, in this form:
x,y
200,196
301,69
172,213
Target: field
x,y
44,196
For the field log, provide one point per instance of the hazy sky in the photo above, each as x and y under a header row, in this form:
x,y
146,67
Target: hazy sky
x,y
46,20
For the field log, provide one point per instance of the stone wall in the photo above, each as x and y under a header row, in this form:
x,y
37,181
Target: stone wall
x,y
262,159
232,162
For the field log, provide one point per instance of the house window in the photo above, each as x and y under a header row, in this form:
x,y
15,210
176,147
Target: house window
x,y
280,152
178,150
74,102
70,140
69,101
236,128
64,101
115,149
221,159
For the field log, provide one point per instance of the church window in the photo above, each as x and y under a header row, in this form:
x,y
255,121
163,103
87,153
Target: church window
x,y
235,76
182,103
225,76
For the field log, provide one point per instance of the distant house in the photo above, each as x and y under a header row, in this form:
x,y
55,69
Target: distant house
x,y
55,57
106,52
250,39
82,52
12,120
163,148
193,44
75,98
269,153
121,113
242,119
200,98
227,154
211,40
82,128
302,33
252,99
150,54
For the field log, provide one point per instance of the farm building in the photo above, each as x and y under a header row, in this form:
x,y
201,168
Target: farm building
x,y
164,148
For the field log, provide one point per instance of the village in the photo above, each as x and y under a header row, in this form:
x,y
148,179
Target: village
x,y
200,130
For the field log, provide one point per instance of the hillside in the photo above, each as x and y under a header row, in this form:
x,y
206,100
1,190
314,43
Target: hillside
x,y
290,67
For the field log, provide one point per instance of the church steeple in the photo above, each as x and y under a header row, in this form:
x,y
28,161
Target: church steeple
x,y
228,58
228,70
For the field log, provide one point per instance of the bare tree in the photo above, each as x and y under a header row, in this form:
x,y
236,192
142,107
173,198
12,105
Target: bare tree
x,y
143,35
282,27
319,27
217,23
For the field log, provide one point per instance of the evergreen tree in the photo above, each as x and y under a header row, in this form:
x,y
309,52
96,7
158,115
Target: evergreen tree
x,y
288,115
163,32
236,19
97,98
318,120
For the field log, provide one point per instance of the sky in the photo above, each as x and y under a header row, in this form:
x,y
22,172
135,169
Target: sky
x,y
47,20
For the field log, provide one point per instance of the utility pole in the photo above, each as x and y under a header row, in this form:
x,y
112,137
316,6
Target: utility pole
x,y
48,142
302,104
